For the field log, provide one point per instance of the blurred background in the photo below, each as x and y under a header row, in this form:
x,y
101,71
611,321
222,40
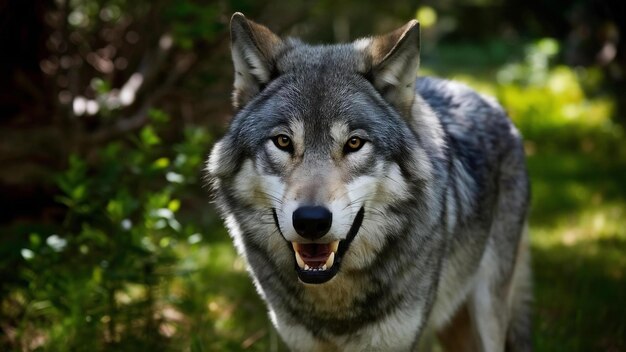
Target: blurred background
x,y
108,108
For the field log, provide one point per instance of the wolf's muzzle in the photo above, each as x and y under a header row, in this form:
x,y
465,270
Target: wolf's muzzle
x,y
316,263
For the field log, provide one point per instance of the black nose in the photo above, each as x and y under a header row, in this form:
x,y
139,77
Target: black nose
x,y
312,222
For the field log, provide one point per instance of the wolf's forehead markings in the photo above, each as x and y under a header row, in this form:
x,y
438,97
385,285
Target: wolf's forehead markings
x,y
297,133
339,131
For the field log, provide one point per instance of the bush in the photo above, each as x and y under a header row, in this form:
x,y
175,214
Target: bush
x,y
99,281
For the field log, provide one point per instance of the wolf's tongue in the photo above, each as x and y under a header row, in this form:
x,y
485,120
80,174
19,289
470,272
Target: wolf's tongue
x,y
314,254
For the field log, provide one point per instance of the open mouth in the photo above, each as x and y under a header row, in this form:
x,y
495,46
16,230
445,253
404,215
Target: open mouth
x,y
315,256
317,263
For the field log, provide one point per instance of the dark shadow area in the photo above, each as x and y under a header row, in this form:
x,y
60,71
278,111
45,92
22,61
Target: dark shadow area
x,y
579,296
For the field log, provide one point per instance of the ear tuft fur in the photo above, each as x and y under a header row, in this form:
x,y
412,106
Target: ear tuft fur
x,y
394,63
253,48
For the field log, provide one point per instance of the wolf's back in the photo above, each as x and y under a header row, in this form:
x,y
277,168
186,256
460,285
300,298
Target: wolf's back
x,y
478,131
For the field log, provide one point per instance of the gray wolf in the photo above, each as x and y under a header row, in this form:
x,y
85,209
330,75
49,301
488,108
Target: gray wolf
x,y
375,211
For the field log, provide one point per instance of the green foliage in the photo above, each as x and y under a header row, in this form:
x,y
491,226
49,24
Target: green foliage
x,y
555,105
541,97
96,283
193,21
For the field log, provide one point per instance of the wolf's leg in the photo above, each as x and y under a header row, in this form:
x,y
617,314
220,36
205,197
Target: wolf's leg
x,y
495,303
519,336
426,341
501,314
487,307
458,334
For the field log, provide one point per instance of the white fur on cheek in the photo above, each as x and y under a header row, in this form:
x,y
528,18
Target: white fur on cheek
x,y
393,187
263,192
284,215
246,182
368,240
342,217
273,189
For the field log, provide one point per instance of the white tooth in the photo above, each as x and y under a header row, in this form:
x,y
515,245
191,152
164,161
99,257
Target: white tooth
x,y
324,267
299,260
330,261
334,245
306,267
295,246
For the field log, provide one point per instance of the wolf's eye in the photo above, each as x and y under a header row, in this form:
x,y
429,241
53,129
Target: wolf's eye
x,y
283,142
353,144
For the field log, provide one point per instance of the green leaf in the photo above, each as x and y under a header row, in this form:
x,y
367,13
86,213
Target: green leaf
x,y
149,137
79,192
161,163
115,209
35,240
158,116
174,205
100,86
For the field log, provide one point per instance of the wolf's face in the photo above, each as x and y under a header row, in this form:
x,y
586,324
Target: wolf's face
x,y
319,149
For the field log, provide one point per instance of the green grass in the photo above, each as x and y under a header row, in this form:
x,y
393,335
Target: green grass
x,y
578,232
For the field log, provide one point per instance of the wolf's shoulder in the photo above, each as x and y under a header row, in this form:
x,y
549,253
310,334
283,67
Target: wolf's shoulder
x,y
477,129
465,114
450,99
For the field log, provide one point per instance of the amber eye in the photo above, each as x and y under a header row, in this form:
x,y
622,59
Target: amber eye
x,y
353,144
283,142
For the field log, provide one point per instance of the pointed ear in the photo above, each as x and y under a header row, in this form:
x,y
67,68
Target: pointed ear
x,y
254,48
394,63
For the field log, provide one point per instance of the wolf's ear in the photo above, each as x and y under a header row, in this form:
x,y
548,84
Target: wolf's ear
x,y
253,49
394,63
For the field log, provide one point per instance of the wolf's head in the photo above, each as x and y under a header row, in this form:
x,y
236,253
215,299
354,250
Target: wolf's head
x,y
321,162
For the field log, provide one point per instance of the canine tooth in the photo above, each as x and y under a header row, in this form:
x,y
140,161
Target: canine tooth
x,y
330,261
299,260
334,245
324,267
306,267
295,246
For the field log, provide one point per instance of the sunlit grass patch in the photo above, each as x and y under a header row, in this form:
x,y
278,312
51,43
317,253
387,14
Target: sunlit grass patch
x,y
592,227
578,232
580,281
221,308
